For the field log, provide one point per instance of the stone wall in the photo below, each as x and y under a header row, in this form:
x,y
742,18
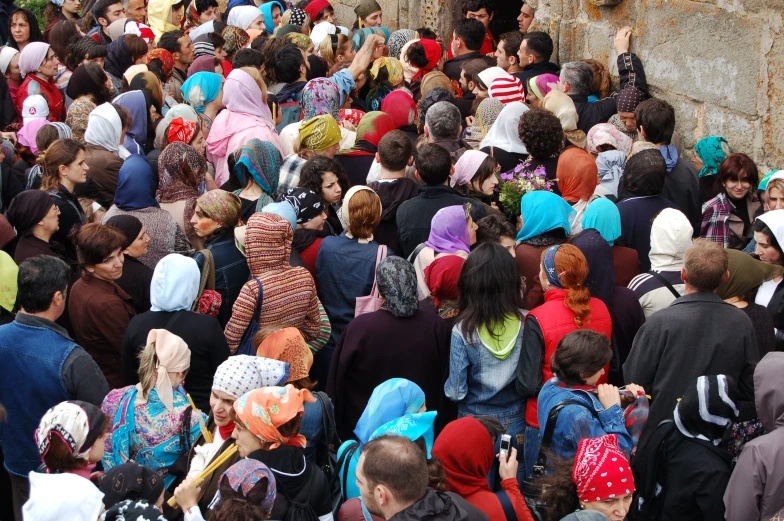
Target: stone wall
x,y
720,63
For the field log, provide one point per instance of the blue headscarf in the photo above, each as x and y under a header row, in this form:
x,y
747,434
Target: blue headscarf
x,y
543,211
269,26
136,185
711,153
200,89
285,210
603,216
136,137
390,400
411,426
549,266
360,35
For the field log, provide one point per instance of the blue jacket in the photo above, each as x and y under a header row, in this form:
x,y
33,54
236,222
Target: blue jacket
x,y
576,422
482,384
231,271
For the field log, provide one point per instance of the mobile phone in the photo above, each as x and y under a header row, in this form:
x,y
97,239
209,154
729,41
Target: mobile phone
x,y
506,443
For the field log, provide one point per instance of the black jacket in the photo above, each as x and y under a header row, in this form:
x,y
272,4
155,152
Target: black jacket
x,y
203,335
71,216
392,194
135,281
414,216
631,75
536,69
453,67
682,188
440,506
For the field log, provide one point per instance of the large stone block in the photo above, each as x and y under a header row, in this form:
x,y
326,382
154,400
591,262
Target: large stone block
x,y
744,133
773,122
701,51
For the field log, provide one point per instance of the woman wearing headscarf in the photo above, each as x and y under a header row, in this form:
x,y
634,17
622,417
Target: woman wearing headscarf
x,y
35,217
182,171
709,153
235,377
257,169
368,347
563,108
398,39
104,153
152,421
235,39
402,108
627,100
246,17
358,159
577,176
392,399
215,216
268,430
273,12
131,481
289,294
486,113
163,17
246,117
422,56
546,221
625,310
38,65
503,139
602,215
121,54
137,139
441,278
138,509
538,88
136,277
88,88
604,137
466,450
311,216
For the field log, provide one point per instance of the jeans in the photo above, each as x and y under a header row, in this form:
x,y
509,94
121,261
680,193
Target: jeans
x,y
513,428
531,449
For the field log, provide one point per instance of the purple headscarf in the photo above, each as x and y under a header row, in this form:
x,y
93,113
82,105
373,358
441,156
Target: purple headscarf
x,y
241,93
449,231
32,56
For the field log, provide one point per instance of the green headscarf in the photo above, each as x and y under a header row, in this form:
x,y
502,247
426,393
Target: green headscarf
x,y
711,153
8,287
262,161
746,273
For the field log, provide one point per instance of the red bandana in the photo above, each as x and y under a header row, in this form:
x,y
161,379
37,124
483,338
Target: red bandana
x,y
601,471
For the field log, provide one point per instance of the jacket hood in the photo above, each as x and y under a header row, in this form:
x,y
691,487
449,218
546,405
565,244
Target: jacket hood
x,y
158,15
434,506
267,242
775,221
670,238
767,391
393,194
175,283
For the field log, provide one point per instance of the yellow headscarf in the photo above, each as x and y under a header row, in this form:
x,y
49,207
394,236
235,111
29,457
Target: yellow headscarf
x,y
394,69
319,133
159,17
8,288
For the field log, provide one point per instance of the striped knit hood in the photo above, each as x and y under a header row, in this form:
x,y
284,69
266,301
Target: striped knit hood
x,y
267,243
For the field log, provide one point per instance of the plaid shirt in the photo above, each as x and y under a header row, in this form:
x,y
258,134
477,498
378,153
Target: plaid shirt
x,y
714,220
289,173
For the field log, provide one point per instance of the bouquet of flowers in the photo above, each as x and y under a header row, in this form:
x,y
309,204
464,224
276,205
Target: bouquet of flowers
x,y
518,182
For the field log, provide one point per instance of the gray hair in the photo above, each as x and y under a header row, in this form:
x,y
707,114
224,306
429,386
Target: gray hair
x,y
443,120
579,76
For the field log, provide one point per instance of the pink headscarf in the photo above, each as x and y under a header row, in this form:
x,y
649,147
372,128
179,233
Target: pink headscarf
x,y
607,134
173,357
241,93
32,56
28,132
466,167
539,85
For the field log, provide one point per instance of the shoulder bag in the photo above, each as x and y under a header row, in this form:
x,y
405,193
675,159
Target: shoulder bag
x,y
246,344
326,453
665,282
373,301
209,301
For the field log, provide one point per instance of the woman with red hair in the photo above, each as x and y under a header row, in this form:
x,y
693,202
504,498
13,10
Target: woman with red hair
x,y
568,306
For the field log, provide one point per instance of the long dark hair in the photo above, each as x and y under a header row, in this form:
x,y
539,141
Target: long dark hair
x,y
490,289
35,31
560,494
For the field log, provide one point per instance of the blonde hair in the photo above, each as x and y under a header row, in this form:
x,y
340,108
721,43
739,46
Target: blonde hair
x,y
329,54
777,184
147,371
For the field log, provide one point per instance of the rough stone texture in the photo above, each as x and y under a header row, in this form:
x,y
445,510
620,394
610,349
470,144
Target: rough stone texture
x,y
719,62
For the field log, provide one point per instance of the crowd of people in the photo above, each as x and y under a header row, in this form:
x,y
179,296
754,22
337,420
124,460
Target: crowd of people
x,y
257,265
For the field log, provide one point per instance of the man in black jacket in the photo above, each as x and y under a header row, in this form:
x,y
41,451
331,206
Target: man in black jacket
x,y
577,82
434,166
467,39
534,55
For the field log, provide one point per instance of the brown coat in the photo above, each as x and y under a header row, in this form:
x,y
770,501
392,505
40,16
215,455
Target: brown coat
x,y
102,177
100,312
626,263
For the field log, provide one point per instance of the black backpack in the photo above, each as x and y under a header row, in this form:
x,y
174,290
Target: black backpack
x,y
650,472
326,452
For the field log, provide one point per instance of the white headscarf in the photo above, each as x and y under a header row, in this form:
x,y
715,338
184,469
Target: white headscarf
x,y
6,55
503,134
243,15
204,28
241,374
175,283
321,31
774,220
104,129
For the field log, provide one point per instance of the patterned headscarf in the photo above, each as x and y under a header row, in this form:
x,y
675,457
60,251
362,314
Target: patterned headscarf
x,y
175,184
297,16
78,424
321,96
241,374
710,151
601,471
319,133
221,206
487,113
288,345
130,481
246,474
235,38
607,134
397,283
398,39
302,41
166,58
548,261
181,130
136,509
353,116
629,98
394,69
376,97
264,410
262,161
306,203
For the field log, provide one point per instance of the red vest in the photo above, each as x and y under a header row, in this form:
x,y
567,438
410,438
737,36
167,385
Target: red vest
x,y
46,89
556,321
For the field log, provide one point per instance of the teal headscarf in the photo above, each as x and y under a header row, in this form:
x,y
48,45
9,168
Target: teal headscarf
x,y
360,35
763,185
603,216
711,153
411,426
200,89
266,9
390,400
543,211
262,161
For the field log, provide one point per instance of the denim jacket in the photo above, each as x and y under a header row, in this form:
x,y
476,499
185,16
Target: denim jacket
x,y
576,422
482,384
231,271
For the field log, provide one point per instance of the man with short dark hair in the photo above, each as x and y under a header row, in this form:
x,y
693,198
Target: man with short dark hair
x,y
392,478
468,75
534,55
467,38
526,17
40,366
207,10
105,12
698,334
506,53
247,58
433,168
656,124
180,46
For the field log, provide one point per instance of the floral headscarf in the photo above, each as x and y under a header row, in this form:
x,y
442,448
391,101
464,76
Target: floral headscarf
x,y
321,96
398,39
710,151
167,60
136,509
607,134
235,38
181,171
262,161
376,97
353,116
302,41
243,476
264,410
394,69
397,283
288,345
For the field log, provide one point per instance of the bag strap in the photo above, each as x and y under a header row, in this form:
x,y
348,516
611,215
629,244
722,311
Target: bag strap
x,y
327,419
344,459
414,254
660,278
173,319
506,505
381,254
552,419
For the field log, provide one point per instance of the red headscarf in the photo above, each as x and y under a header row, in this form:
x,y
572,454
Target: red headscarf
x,y
465,449
399,105
577,175
182,130
433,53
373,126
315,7
167,60
601,471
441,277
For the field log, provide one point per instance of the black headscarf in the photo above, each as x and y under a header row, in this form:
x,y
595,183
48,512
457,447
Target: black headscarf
x,y
130,481
82,83
138,510
708,409
601,272
644,174
129,225
28,208
118,58
397,283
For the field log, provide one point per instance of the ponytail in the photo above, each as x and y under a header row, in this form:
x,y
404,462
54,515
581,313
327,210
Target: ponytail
x,y
572,268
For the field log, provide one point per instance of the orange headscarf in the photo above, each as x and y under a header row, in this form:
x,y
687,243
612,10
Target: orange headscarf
x,y
288,345
577,175
264,410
